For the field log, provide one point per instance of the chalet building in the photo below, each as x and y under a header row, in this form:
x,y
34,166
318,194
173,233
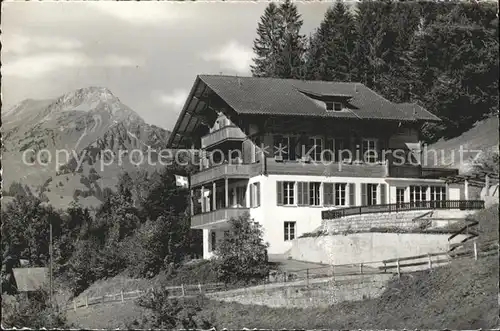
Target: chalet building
x,y
285,150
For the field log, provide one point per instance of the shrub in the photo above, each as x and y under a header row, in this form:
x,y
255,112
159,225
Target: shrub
x,y
33,311
172,313
242,255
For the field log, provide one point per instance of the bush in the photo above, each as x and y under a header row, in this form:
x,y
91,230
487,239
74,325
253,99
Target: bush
x,y
172,313
242,255
33,311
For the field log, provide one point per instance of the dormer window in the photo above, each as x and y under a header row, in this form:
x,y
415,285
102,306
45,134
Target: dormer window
x,y
333,106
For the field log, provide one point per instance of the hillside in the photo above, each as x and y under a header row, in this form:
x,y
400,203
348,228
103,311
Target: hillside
x,y
45,140
482,137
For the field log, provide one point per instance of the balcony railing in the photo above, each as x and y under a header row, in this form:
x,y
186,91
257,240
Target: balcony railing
x,y
226,133
200,221
405,206
226,170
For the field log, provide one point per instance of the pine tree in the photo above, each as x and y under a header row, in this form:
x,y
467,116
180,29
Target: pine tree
x,y
330,54
291,62
267,44
453,66
279,46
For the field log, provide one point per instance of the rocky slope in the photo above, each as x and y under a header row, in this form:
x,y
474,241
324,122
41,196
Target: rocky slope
x,y
76,145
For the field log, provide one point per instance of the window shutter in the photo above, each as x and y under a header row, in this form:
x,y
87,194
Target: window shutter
x,y
257,187
364,199
251,195
352,194
279,192
306,193
299,193
383,188
334,194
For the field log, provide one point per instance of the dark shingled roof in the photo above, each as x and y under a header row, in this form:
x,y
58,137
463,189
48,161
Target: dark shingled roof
x,y
275,96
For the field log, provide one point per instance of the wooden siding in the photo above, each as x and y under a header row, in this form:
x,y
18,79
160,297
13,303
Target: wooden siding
x,y
319,169
230,132
225,170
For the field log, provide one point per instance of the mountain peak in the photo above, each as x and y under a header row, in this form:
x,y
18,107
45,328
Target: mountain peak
x,y
89,94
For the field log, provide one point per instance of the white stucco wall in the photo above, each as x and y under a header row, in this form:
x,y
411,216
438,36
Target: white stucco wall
x,y
307,219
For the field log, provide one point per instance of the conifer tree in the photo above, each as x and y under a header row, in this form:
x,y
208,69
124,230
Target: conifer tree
x,y
330,54
279,46
267,44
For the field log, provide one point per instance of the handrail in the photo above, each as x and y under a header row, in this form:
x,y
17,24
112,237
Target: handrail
x,y
405,206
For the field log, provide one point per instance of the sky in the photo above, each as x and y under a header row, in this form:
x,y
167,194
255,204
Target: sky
x,y
147,53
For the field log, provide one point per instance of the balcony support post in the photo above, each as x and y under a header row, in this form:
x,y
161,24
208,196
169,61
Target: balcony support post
x,y
214,188
226,192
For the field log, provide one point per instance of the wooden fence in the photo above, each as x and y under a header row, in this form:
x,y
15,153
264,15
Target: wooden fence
x,y
175,292
393,266
403,206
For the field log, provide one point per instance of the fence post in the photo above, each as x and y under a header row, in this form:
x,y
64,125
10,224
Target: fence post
x,y
86,301
385,267
430,261
361,268
121,295
182,288
475,250
307,277
399,271
103,297
199,287
74,305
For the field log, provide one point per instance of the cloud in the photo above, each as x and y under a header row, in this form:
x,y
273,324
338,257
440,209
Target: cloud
x,y
177,98
35,66
232,56
145,13
22,44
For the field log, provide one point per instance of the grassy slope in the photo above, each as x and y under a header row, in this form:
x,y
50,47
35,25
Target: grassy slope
x,y
483,136
462,295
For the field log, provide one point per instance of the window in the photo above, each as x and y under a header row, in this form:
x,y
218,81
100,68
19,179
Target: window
x,y
285,193
315,146
369,194
400,196
418,194
340,194
285,146
289,231
438,194
328,196
370,150
314,189
333,106
254,195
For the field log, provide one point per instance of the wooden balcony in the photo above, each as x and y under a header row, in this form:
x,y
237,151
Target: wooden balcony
x,y
324,169
225,170
226,133
215,218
